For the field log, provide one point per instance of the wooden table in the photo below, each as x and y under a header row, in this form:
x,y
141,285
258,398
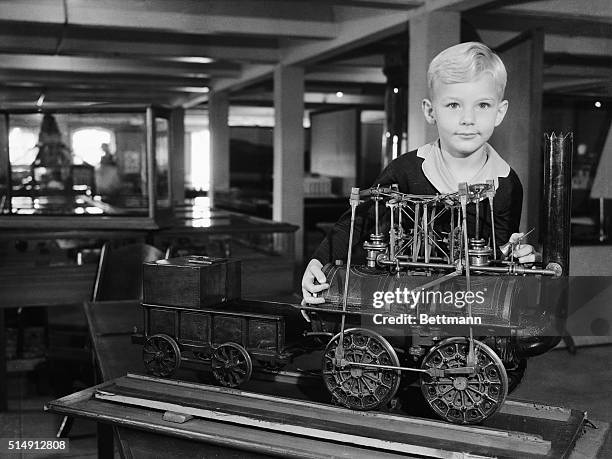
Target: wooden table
x,y
141,432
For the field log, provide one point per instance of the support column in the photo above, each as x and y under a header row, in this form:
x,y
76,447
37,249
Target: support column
x,y
218,110
430,33
396,96
288,193
177,154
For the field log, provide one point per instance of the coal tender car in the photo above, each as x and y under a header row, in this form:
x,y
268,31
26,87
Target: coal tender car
x,y
193,312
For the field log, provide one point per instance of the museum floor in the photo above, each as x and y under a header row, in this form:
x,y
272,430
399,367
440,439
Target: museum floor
x,y
557,378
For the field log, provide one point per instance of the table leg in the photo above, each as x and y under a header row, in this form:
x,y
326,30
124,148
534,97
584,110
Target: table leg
x,y
3,373
106,447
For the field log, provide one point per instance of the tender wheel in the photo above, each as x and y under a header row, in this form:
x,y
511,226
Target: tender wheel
x,y
464,399
361,388
161,355
231,365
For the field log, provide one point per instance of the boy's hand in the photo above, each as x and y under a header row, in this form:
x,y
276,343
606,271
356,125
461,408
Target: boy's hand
x,y
523,253
309,288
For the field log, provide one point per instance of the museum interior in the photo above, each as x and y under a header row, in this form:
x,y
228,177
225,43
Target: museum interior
x,y
168,168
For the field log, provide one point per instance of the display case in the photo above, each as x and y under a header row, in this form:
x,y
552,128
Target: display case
x,y
85,169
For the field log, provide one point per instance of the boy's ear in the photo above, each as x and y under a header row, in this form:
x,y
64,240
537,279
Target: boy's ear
x,y
501,112
428,111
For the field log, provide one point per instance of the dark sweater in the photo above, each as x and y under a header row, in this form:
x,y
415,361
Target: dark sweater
x,y
406,171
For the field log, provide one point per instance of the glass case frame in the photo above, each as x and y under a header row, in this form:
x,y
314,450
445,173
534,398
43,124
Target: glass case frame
x,y
158,156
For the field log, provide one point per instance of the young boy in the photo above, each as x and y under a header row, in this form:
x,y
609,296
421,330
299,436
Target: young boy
x,y
466,88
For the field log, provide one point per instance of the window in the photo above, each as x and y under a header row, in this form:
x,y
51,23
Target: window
x,y
22,146
87,144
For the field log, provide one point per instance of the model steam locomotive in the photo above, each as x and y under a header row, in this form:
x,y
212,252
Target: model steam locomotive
x,y
428,302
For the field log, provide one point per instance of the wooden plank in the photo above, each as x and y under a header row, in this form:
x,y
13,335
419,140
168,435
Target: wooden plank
x,y
275,426
535,410
257,404
224,435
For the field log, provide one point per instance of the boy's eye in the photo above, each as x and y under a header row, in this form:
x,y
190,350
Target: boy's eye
x,y
484,105
452,105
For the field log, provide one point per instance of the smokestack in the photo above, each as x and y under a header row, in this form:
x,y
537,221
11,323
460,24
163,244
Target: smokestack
x,y
557,199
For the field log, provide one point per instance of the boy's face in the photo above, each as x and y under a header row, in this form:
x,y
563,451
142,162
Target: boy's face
x,y
465,113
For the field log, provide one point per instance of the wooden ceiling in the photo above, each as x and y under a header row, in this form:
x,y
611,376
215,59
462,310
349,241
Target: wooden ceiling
x,y
173,52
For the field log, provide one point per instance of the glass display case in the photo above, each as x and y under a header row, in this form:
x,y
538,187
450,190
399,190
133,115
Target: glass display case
x,y
86,169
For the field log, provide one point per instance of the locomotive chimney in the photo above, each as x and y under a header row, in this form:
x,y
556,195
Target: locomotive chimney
x,y
557,199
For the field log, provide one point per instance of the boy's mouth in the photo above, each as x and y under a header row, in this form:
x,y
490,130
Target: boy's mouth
x,y
467,135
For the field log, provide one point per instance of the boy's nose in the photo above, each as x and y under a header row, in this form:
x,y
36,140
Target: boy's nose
x,y
468,117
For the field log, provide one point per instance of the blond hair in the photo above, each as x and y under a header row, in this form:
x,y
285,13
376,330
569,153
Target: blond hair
x,y
466,62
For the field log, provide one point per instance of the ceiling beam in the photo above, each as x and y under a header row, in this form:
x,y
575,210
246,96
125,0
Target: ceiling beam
x,y
27,37
115,65
66,78
381,4
95,89
578,60
119,93
115,48
347,74
203,18
574,85
376,4
313,97
578,71
551,23
596,9
454,5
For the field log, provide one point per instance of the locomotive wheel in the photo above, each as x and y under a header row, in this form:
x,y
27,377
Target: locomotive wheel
x,y
361,388
464,399
161,355
231,365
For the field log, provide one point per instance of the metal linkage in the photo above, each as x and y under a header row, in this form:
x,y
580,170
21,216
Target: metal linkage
x,y
424,248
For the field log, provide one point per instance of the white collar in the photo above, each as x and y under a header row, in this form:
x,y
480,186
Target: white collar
x,y
437,172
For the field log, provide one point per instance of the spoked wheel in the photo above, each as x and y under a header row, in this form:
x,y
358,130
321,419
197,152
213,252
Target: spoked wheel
x,y
161,355
464,398
231,365
356,387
